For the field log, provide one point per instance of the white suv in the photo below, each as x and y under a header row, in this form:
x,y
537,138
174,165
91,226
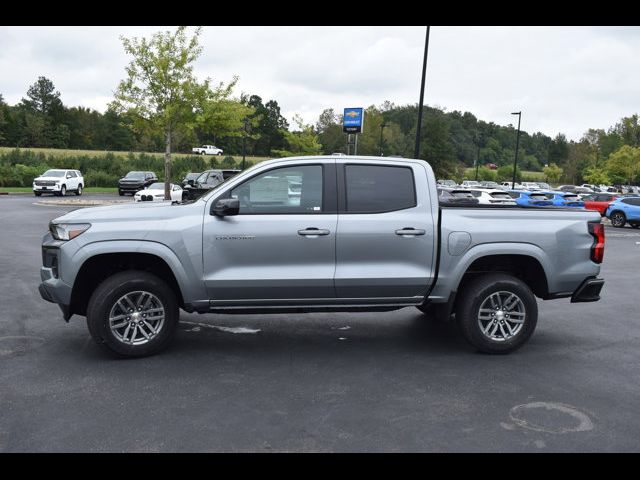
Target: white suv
x,y
491,196
59,182
207,150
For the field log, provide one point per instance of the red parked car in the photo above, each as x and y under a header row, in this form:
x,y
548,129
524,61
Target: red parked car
x,y
599,201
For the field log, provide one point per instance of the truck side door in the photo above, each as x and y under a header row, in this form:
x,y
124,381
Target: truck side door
x,y
280,247
386,241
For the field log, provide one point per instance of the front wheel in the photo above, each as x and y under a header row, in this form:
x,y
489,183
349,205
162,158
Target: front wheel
x,y
497,313
618,219
203,153
133,314
37,194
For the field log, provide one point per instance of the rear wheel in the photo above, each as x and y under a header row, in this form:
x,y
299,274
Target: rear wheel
x,y
497,313
133,314
618,219
79,190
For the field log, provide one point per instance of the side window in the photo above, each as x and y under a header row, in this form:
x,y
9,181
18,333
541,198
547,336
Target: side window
x,y
633,201
213,179
282,190
379,188
72,173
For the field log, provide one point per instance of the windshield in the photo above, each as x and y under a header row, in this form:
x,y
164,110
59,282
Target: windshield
x,y
538,196
461,194
501,195
158,186
135,175
53,173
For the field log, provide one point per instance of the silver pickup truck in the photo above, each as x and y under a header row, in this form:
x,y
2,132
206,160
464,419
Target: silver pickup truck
x,y
311,234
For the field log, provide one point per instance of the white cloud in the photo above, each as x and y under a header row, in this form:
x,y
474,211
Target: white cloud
x,y
564,79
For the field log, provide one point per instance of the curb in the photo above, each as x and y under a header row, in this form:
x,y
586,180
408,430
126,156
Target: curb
x,y
81,203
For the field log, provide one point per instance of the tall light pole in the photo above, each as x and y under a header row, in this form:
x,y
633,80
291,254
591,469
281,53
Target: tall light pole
x,y
244,141
477,156
515,160
424,75
382,125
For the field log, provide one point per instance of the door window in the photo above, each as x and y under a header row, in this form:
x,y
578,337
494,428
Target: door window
x,y
282,190
379,188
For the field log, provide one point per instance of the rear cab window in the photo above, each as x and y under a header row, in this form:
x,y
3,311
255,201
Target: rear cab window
x,y
378,188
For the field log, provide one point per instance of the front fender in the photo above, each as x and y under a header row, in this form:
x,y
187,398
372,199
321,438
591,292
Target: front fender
x,y
190,283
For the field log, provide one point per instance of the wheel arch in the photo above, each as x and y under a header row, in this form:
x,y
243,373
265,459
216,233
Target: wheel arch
x,y
98,268
96,261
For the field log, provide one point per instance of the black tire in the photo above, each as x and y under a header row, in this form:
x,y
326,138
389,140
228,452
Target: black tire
x,y
121,193
203,153
63,191
618,219
37,194
474,295
110,291
79,190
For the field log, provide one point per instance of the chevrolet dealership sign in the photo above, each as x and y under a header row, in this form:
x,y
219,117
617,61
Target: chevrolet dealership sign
x,y
353,120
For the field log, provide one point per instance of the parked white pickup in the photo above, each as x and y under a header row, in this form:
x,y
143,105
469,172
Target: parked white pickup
x,y
207,150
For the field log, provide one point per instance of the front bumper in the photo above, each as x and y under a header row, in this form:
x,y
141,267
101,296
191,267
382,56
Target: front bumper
x,y
588,291
131,188
53,288
48,188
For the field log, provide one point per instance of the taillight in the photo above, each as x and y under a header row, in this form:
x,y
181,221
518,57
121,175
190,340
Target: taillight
x,y
597,249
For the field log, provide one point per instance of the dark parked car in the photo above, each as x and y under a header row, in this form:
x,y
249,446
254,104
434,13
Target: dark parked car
x,y
205,182
189,176
230,172
133,182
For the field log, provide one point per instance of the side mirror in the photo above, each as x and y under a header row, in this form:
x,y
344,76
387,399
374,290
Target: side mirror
x,y
191,182
226,207
68,176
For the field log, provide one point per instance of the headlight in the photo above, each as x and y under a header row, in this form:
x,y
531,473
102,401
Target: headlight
x,y
67,231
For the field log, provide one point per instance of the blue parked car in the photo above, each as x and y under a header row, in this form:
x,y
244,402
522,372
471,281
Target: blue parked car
x,y
524,198
623,210
565,199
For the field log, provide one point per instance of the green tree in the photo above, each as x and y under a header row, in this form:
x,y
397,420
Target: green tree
x,y
160,92
596,176
4,113
304,141
552,173
43,97
558,150
505,173
485,173
624,164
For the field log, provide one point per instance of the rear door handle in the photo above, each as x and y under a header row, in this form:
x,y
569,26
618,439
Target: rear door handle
x,y
313,232
408,231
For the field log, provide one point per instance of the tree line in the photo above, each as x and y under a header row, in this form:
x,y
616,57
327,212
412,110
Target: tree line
x,y
161,106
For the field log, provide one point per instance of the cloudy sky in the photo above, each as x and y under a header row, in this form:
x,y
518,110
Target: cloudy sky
x,y
564,79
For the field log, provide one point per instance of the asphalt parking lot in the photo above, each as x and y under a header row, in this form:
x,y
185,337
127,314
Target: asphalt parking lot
x,y
316,382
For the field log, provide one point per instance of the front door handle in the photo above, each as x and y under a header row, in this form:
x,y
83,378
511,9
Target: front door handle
x,y
408,231
313,232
